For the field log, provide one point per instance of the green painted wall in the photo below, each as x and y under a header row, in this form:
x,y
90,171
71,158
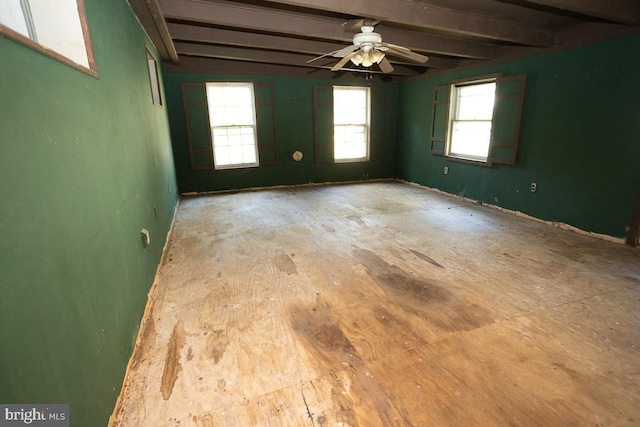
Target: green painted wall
x,y
580,139
294,112
85,164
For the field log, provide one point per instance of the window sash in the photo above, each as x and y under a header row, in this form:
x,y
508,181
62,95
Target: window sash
x,y
234,146
470,138
350,141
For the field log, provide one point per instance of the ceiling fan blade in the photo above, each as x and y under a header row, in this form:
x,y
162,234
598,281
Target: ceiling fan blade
x,y
326,54
403,52
385,66
344,51
343,61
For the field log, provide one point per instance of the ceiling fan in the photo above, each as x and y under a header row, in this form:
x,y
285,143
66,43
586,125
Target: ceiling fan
x,y
368,49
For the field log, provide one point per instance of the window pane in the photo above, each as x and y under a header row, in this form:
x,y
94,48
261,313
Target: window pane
x,y
248,154
475,102
350,105
471,138
12,16
350,142
221,154
230,104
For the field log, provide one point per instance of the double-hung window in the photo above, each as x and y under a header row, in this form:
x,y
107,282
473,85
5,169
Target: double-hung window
x,y
478,120
351,123
232,117
471,119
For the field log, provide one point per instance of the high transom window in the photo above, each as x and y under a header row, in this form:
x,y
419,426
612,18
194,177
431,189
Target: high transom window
x,y
56,28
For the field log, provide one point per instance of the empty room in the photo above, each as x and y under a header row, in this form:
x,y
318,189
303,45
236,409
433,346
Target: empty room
x,y
320,213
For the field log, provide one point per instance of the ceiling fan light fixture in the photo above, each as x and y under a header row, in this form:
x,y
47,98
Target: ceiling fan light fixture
x,y
376,56
368,49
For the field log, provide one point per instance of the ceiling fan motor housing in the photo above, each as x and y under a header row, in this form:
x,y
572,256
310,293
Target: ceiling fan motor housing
x,y
367,37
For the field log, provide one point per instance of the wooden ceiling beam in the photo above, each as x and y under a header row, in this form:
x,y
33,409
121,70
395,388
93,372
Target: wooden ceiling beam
x,y
261,19
429,17
618,11
184,32
252,42
262,56
151,19
194,64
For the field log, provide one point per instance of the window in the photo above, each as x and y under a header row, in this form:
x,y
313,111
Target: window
x,y
54,27
471,118
478,120
154,79
351,113
232,118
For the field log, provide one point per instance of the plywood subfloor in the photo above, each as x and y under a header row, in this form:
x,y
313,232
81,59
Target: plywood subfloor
x,y
383,304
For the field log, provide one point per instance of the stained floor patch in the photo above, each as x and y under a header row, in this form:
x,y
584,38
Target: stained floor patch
x,y
217,342
426,258
285,263
172,366
397,281
321,334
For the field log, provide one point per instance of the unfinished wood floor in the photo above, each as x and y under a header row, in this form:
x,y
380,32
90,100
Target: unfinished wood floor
x,y
383,304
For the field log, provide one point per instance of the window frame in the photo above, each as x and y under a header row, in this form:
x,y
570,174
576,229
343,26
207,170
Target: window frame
x,y
92,70
506,121
454,107
254,125
366,125
154,78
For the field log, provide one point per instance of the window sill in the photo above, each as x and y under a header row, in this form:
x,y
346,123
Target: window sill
x,y
470,161
235,167
359,160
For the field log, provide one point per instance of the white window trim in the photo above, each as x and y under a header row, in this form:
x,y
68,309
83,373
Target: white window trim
x,y
453,109
367,126
225,166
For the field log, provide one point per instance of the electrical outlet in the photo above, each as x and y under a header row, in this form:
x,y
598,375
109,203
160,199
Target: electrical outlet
x,y
446,170
534,187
